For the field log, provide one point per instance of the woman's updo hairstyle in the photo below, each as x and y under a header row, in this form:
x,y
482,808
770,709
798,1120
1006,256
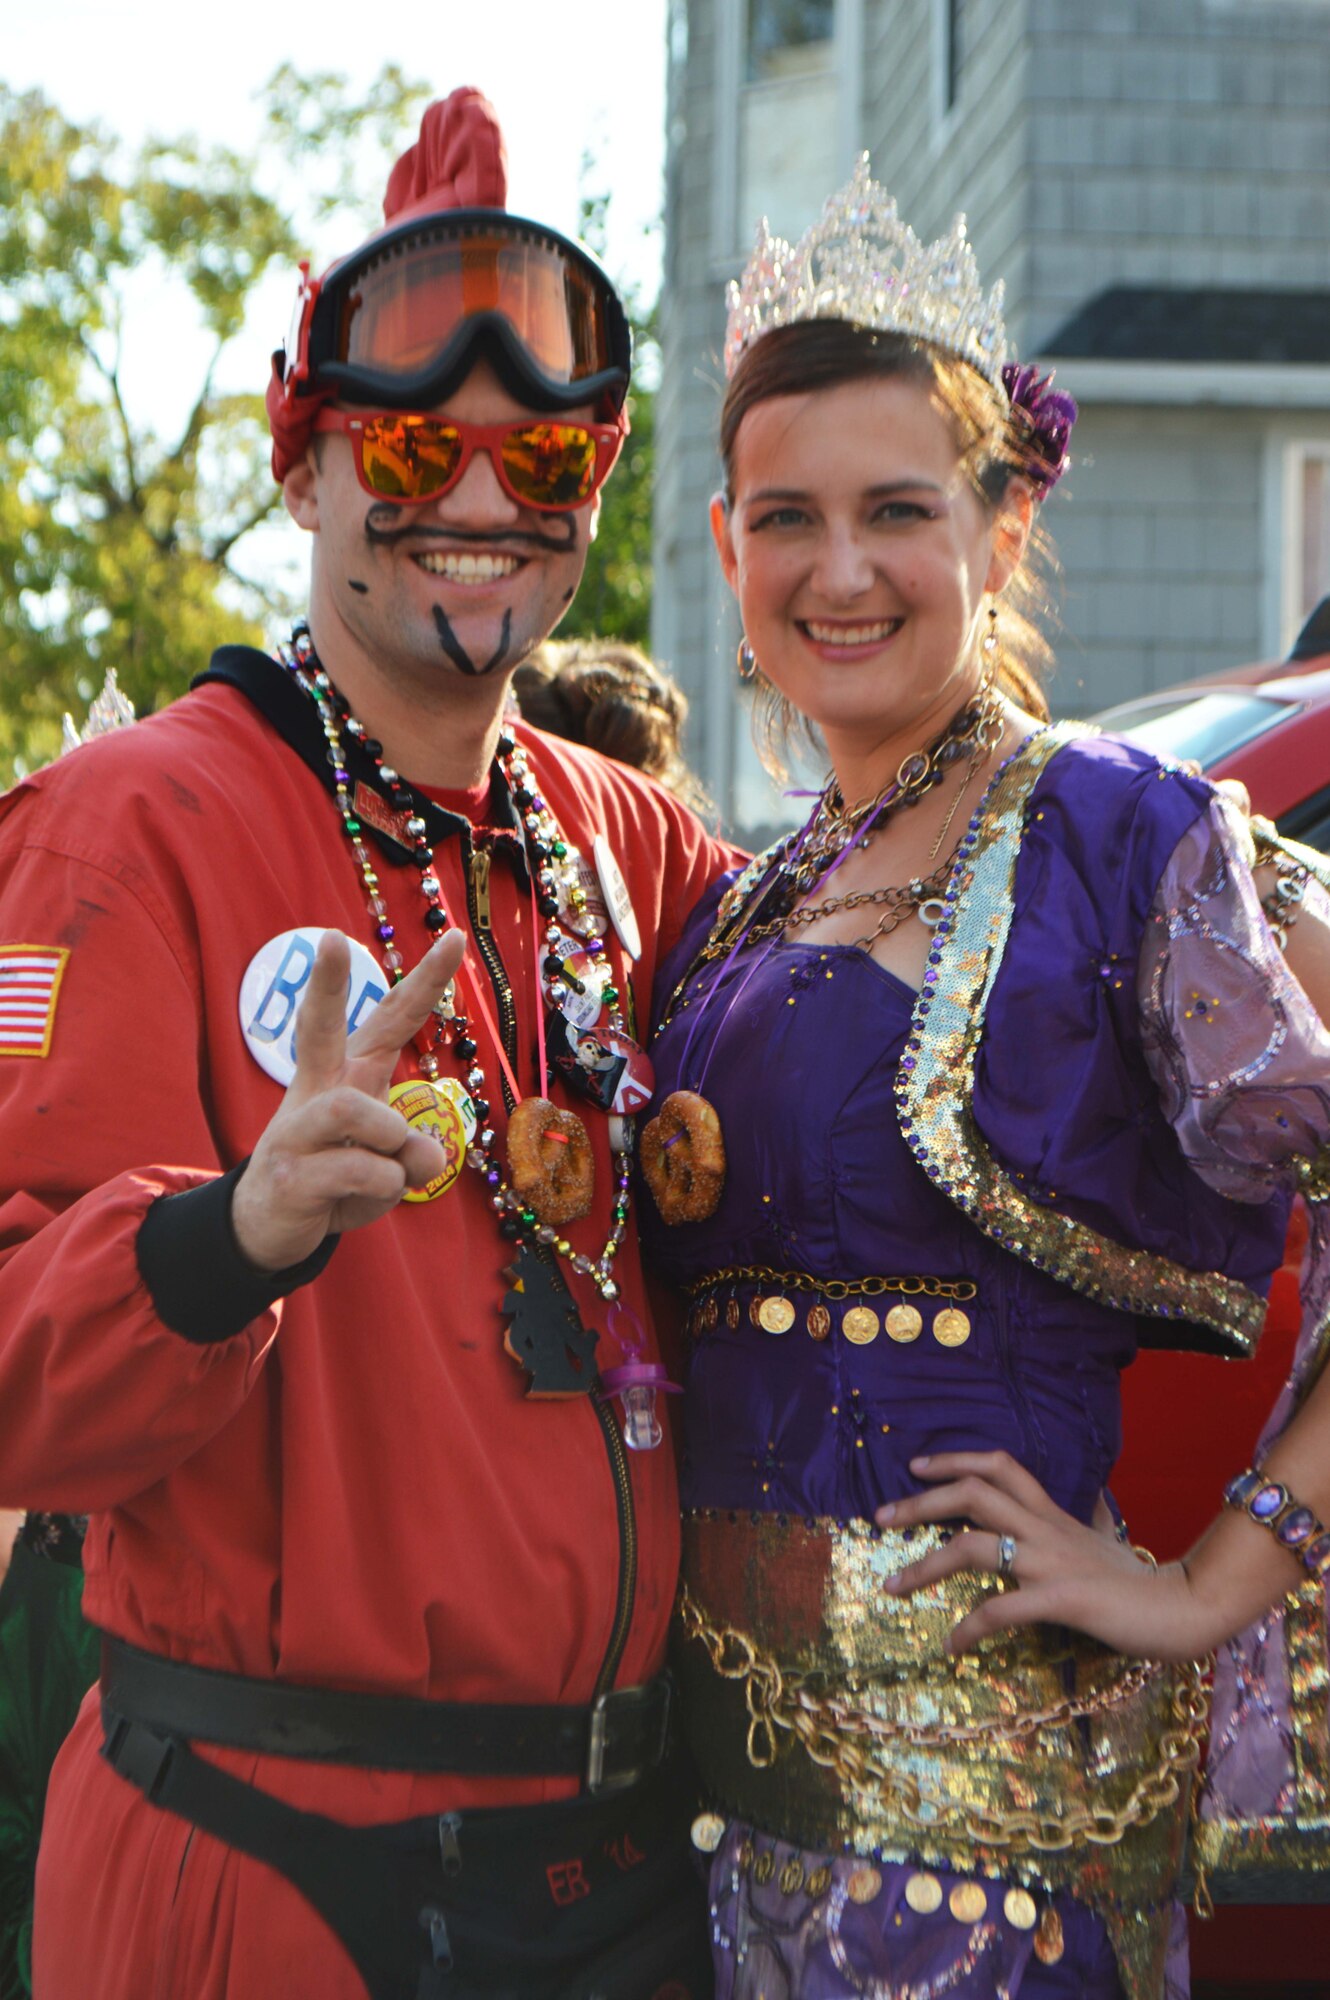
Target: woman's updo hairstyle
x,y
608,695
994,449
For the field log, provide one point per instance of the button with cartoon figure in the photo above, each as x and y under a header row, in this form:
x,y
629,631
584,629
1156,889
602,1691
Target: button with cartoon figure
x,y
429,1107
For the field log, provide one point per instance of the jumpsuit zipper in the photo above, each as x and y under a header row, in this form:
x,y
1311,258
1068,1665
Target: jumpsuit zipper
x,y
477,861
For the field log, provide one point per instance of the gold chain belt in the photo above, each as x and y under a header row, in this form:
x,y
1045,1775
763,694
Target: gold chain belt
x,y
844,1737
914,1286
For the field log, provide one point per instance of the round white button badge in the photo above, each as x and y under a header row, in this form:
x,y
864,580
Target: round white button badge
x,y
617,899
270,996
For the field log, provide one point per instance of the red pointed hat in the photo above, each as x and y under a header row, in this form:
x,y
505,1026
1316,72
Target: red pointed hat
x,y
459,161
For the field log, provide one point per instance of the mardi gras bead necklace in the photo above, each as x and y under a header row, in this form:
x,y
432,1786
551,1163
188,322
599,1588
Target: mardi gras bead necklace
x,y
550,1173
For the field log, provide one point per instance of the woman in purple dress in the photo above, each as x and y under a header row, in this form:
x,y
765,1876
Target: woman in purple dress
x,y
990,1074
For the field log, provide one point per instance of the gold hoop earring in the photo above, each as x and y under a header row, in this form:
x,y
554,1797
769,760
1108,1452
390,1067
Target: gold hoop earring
x,y
746,661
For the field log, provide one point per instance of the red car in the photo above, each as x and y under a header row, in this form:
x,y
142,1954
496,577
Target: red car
x,y
1268,725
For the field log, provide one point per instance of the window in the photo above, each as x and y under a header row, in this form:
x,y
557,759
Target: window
x,y
787,38
1311,554
788,104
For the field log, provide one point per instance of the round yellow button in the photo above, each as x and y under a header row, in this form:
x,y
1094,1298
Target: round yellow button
x,y
708,1831
905,1323
861,1325
791,1878
952,1327
967,1903
923,1893
775,1315
427,1107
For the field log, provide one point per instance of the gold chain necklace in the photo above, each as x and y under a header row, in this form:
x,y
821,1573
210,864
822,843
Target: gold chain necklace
x,y
836,826
900,900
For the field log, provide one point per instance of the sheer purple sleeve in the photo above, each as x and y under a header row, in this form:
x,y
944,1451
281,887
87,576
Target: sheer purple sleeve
x,y
1242,1064
1238,1054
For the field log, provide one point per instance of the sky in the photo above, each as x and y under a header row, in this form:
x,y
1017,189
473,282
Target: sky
x,y
564,75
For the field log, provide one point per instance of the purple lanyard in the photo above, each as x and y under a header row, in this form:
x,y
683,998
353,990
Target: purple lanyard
x,y
883,805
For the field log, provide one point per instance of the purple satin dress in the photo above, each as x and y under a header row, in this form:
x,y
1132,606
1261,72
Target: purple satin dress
x,y
798,1056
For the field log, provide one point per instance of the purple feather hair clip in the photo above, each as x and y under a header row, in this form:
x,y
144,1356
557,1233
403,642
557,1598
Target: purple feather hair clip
x,y
1048,415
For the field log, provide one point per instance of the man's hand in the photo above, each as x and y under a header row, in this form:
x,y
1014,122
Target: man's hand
x,y
336,1155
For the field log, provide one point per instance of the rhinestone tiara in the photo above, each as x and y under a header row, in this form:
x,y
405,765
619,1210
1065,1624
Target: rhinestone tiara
x,y
861,263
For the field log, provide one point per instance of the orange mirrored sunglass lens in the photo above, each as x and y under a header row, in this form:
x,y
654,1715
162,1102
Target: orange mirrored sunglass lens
x,y
405,460
409,458
550,462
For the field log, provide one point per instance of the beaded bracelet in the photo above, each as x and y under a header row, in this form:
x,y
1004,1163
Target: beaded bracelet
x,y
1294,1526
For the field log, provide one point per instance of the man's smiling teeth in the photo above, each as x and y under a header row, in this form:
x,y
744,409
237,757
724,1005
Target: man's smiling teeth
x,y
851,635
466,568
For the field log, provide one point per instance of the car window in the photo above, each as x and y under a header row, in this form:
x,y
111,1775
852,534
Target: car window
x,y
1202,727
1309,822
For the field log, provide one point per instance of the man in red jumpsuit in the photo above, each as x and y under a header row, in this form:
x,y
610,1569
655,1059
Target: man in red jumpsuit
x,y
386,1596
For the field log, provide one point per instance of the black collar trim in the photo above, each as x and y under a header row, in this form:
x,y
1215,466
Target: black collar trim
x,y
270,689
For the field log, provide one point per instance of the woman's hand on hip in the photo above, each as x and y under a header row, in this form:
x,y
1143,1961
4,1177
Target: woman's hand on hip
x,y
1058,1571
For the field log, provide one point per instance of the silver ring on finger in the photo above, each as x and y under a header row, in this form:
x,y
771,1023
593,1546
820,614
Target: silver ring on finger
x,y
1006,1562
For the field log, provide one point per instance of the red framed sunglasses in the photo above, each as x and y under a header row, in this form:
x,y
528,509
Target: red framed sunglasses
x,y
549,464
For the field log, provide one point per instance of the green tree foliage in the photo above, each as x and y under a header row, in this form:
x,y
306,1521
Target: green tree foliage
x,y
118,538
122,536
615,599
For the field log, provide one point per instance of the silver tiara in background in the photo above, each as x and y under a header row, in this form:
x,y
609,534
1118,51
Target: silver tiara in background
x,y
861,263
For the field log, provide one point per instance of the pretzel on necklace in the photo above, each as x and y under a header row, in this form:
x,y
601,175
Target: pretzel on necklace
x,y
550,1162
683,1158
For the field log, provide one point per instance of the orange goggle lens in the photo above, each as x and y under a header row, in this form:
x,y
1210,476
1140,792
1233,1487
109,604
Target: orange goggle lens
x,y
391,318
409,458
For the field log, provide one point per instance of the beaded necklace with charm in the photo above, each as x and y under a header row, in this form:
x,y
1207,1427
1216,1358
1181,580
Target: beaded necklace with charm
x,y
558,897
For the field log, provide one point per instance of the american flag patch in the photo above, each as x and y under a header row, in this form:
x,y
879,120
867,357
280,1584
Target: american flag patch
x,y
30,976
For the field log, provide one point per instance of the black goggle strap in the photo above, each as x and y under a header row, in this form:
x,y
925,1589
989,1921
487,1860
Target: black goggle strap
x,y
490,337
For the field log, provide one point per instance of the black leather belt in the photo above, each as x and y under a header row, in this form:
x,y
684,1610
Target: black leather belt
x,y
610,1744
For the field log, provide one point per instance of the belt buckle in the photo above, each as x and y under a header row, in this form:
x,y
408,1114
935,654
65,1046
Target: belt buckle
x,y
624,1702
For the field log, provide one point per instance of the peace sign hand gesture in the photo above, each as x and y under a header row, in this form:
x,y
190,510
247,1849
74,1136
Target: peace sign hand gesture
x,y
335,1154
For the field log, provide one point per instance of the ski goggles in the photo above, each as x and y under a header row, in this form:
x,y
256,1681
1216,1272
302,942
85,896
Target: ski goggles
x,y
402,320
550,465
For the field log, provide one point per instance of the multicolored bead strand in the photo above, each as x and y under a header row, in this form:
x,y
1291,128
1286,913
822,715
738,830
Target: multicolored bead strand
x,y
554,865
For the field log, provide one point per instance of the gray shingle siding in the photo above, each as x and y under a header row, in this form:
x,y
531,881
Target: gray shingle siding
x,y
1156,144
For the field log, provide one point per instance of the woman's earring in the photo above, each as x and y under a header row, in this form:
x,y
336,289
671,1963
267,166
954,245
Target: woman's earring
x,y
990,639
746,660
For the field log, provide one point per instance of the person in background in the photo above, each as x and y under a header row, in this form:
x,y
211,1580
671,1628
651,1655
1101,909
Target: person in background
x,y
48,1661
608,695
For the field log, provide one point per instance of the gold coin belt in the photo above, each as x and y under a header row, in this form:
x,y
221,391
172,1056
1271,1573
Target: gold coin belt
x,y
968,1902
847,1740
771,1311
